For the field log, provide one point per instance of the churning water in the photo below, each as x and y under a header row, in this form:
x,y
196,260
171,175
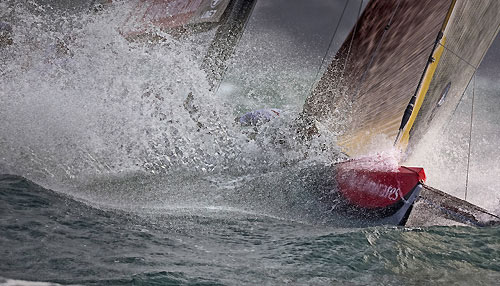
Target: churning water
x,y
143,192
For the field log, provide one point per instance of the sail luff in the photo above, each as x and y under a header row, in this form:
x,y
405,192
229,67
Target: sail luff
x,y
402,142
416,101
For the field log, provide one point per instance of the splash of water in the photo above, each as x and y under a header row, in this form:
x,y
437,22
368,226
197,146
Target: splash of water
x,y
82,105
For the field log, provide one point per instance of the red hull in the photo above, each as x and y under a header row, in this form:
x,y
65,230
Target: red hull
x,y
372,191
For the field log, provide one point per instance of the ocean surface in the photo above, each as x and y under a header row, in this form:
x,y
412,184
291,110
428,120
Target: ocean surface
x,y
48,236
109,176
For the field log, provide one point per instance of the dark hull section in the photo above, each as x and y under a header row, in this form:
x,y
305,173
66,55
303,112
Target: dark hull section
x,y
395,214
434,207
423,206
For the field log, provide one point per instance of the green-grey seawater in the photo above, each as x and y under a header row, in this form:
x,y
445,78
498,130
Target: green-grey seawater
x,y
46,236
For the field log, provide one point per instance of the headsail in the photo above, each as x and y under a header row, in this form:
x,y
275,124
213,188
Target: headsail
x,y
471,29
379,65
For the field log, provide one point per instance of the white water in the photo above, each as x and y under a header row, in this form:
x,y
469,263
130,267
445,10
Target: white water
x,y
82,106
86,112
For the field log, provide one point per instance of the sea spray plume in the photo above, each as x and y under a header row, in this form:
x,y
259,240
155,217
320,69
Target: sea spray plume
x,y
81,101
99,108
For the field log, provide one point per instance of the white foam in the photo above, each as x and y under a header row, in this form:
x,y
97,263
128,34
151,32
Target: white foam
x,y
13,282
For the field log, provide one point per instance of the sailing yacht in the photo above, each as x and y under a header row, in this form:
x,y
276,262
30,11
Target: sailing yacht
x,y
401,73
403,69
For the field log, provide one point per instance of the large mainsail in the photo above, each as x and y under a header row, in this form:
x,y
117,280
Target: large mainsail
x,y
399,51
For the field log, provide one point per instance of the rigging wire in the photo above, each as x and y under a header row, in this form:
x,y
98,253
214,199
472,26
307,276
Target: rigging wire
x,y
470,135
352,39
482,57
455,54
329,45
473,81
459,101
